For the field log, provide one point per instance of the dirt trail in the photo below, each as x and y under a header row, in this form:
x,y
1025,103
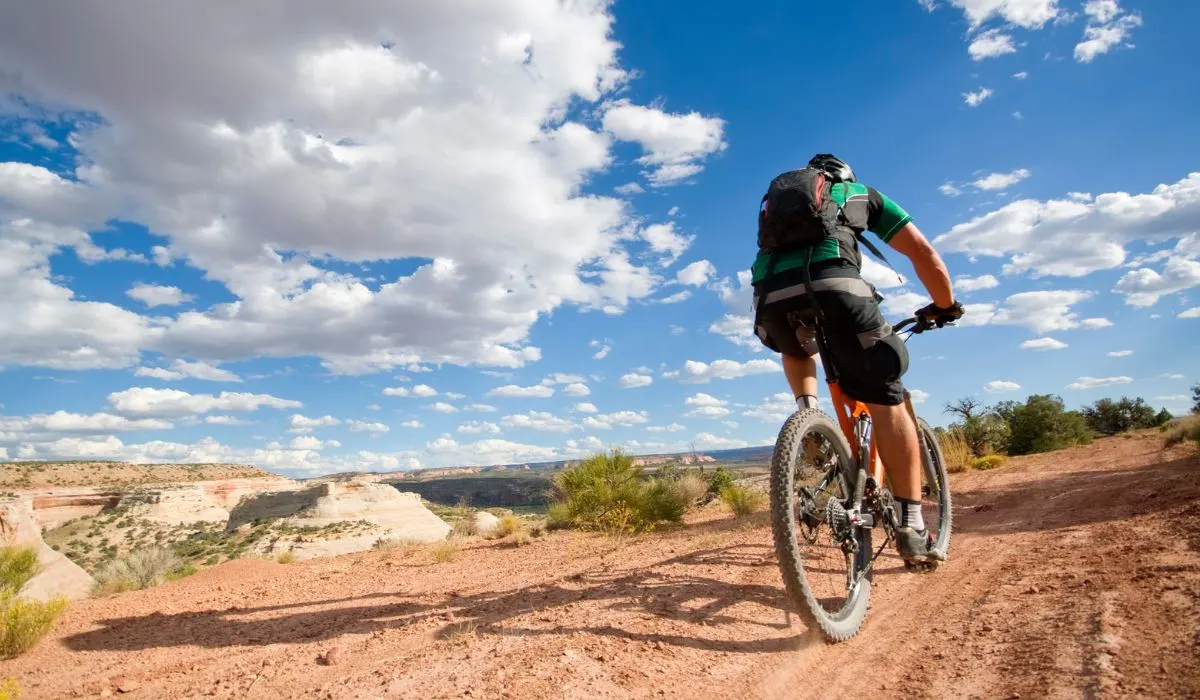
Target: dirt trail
x,y
1073,574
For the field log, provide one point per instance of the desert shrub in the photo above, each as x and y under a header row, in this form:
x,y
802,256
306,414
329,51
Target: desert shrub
x,y
520,538
9,690
955,451
558,516
718,479
24,622
140,569
1042,424
982,428
444,551
509,525
693,488
606,492
1187,428
987,462
742,500
17,566
1109,417
286,558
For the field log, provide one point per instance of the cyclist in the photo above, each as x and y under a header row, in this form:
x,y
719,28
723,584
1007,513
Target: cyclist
x,y
868,356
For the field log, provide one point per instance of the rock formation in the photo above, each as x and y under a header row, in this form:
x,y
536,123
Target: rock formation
x,y
59,575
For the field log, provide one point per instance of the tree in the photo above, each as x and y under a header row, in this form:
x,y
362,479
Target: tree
x,y
1109,417
1196,397
1043,424
966,408
982,428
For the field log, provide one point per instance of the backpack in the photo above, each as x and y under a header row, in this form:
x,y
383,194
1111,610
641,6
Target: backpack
x,y
797,210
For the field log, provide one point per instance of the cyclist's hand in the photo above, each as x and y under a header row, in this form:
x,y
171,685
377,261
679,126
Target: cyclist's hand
x,y
934,315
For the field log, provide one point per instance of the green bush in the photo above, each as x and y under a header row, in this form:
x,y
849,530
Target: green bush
x,y
718,479
1108,417
606,493
17,566
742,500
987,462
1042,424
509,524
143,568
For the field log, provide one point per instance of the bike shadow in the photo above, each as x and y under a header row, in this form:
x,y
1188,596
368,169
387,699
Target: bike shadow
x,y
675,589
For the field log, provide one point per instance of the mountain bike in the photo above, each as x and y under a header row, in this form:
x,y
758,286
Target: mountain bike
x,y
848,499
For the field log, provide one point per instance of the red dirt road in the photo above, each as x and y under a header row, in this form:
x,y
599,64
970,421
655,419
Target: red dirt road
x,y
1072,574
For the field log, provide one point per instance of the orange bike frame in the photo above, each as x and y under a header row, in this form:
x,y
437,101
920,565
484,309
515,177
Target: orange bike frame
x,y
847,411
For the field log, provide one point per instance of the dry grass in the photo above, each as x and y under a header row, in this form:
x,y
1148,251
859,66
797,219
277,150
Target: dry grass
x,y
693,488
1186,428
742,500
17,566
955,452
508,525
444,551
286,558
143,568
988,461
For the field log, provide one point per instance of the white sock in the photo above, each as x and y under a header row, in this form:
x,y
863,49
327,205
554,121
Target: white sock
x,y
804,401
910,514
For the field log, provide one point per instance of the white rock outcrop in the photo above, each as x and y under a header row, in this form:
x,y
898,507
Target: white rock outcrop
x,y
486,523
59,575
179,505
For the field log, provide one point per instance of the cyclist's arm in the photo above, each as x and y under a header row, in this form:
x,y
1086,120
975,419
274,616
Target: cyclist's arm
x,y
925,260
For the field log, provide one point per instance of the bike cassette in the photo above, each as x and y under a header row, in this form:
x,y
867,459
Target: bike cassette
x,y
838,519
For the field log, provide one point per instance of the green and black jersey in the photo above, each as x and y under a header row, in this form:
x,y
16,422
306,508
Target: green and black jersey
x,y
865,208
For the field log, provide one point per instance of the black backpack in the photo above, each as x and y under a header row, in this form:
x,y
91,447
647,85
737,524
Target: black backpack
x,y
797,210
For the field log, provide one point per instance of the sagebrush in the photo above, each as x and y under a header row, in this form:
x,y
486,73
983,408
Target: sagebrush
x,y
987,462
742,500
607,493
1178,431
143,568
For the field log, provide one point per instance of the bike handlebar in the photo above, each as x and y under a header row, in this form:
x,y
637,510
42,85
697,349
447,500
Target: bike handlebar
x,y
920,324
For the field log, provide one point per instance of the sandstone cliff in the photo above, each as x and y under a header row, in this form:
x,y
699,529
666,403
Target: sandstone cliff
x,y
59,575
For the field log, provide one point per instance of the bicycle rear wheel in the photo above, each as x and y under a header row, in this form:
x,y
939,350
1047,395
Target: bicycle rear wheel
x,y
822,580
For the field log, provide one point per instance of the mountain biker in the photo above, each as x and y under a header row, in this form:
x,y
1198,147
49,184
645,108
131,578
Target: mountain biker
x,y
867,355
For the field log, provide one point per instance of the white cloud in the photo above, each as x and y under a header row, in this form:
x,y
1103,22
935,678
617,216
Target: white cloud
x,y
949,189
675,144
974,99
412,424
454,396
561,378
539,391
1001,181
1108,27
443,407
629,188
672,428
1027,14
918,396
1017,115
423,391
664,239
172,402
157,295
1094,323
44,428
1095,382
590,443
1021,75
682,295
1193,312
625,419
333,150
1144,287
602,351
974,284
1041,311
880,275
584,407
226,420
306,442
634,380
738,330
539,420
476,427
990,44
576,389
363,426
1171,376
1120,353
999,386
1043,344
708,441
182,369
303,424
696,274
673,211
706,406
774,408
695,372
1174,397
480,408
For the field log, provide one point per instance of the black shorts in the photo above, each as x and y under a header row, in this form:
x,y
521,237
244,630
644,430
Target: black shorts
x,y
867,355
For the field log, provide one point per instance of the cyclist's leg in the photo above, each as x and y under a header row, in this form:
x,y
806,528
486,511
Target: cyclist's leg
x,y
899,448
778,329
801,373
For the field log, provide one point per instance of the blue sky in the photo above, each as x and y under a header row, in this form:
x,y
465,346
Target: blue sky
x,y
429,235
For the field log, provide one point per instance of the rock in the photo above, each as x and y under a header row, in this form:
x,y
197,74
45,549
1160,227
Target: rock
x,y
128,686
332,657
486,523
59,575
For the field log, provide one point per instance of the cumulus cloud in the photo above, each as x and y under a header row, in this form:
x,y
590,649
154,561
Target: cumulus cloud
x,y
43,428
949,189
976,98
672,428
696,274
539,420
584,407
990,44
576,389
1144,287
999,386
443,407
539,391
1027,14
304,424
1073,237
1108,27
476,427
1043,344
738,330
421,391
1193,312
664,239
675,145
918,396
364,426
706,406
158,295
634,380
1120,353
602,349
694,372
1001,181
182,369
774,408
339,147
625,419
146,401
1096,382
967,283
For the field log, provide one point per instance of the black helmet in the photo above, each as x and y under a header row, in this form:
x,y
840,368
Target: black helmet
x,y
837,168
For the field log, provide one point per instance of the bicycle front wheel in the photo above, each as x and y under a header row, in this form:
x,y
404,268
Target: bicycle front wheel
x,y
935,488
819,569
